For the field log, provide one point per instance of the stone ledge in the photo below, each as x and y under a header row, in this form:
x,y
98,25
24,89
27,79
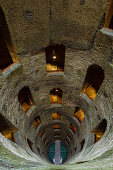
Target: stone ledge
x,y
30,110
77,121
7,71
108,32
86,98
55,74
56,105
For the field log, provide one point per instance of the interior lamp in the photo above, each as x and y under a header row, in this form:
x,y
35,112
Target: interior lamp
x,y
54,54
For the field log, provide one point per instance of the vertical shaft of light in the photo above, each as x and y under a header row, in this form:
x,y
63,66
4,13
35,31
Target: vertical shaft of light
x,y
57,159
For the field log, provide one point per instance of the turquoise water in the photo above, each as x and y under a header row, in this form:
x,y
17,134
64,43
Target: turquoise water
x,y
63,152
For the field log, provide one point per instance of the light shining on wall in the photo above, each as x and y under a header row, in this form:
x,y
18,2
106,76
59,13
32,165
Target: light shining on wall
x,y
56,127
79,114
42,133
56,116
69,136
55,58
56,96
25,98
99,130
36,122
89,90
7,129
72,127
93,80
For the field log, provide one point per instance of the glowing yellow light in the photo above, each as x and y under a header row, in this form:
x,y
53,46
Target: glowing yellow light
x,y
36,123
54,57
56,116
89,90
79,115
56,90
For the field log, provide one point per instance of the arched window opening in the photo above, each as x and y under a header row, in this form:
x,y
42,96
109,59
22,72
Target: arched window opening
x,y
38,149
111,23
25,98
55,58
93,81
75,149
79,114
70,137
36,122
45,140
29,143
109,16
72,127
56,96
7,129
82,143
5,43
99,130
56,116
42,133
56,127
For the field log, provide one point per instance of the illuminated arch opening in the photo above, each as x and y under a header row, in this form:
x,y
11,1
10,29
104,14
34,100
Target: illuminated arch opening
x,y
56,96
42,133
29,143
73,128
70,137
93,81
36,122
5,57
109,16
7,129
25,98
55,58
79,114
56,116
82,143
99,130
45,140
56,127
